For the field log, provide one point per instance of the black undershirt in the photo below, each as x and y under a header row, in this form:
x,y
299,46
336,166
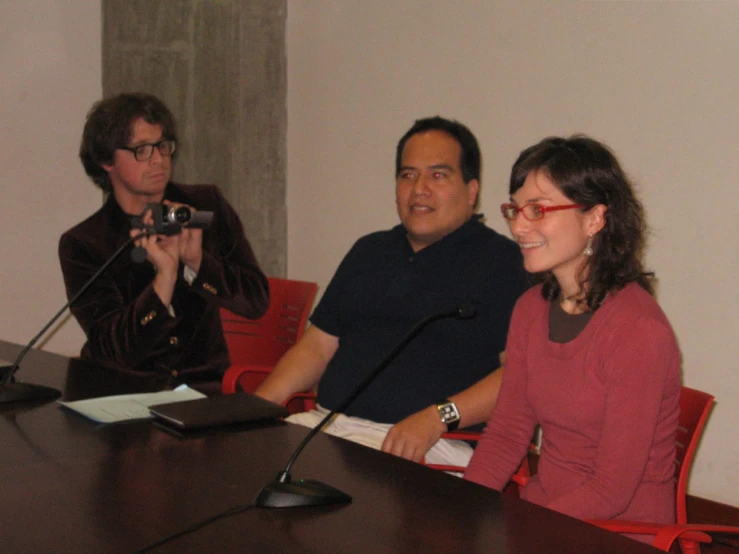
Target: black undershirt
x,y
564,327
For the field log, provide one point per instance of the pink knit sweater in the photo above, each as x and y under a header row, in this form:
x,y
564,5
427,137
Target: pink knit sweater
x,y
607,402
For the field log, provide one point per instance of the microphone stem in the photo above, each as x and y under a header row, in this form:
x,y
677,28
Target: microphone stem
x,y
285,475
9,375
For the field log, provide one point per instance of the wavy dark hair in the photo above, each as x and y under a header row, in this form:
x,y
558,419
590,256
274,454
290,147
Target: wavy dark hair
x,y
108,127
469,158
588,173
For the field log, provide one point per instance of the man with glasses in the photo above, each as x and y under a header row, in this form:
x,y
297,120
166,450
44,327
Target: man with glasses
x,y
161,315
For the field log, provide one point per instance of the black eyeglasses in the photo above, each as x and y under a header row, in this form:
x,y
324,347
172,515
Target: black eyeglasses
x,y
532,212
144,152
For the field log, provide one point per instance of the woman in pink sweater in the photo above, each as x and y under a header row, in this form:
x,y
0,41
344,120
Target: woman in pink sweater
x,y
591,358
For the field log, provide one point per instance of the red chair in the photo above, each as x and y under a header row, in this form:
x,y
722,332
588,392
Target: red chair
x,y
694,409
255,345
689,535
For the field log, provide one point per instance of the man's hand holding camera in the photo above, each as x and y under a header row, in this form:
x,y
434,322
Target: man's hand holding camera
x,y
191,248
173,242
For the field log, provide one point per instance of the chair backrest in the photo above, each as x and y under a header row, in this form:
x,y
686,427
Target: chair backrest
x,y
263,341
694,409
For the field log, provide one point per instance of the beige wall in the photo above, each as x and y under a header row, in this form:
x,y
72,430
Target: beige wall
x,y
50,55
657,81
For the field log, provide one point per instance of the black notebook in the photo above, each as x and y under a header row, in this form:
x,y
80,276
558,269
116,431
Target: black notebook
x,y
215,411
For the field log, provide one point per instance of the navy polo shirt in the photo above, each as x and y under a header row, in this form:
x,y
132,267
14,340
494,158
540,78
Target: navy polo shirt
x,y
382,288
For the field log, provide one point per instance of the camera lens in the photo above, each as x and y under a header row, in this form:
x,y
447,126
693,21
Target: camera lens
x,y
182,214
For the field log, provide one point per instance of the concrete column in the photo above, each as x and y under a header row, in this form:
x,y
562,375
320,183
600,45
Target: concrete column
x,y
220,65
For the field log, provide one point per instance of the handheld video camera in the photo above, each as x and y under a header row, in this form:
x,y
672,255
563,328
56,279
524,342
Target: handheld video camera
x,y
169,220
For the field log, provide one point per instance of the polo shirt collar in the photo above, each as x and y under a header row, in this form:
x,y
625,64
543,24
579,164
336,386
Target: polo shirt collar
x,y
469,228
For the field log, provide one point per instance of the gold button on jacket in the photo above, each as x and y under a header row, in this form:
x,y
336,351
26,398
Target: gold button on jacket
x,y
148,317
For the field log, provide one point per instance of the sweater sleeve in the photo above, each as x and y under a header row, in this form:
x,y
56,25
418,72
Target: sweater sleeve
x,y
636,370
506,438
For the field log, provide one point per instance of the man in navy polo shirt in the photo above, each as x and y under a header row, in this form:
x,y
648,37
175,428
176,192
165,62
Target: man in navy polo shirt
x,y
439,257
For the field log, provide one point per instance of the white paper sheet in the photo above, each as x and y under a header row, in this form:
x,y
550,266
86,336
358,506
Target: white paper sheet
x,y
128,407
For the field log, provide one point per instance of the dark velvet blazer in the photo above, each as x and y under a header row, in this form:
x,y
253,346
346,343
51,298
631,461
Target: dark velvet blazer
x,y
127,326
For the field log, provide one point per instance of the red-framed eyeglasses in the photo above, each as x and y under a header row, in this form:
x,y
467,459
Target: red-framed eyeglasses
x,y
532,212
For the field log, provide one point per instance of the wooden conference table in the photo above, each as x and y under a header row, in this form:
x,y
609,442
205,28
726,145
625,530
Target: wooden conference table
x,y
67,485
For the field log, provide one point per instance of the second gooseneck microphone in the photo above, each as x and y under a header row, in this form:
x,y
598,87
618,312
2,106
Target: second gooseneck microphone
x,y
283,492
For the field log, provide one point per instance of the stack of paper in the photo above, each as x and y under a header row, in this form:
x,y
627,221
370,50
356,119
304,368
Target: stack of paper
x,y
129,407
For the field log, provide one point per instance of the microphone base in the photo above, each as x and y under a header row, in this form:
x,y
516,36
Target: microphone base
x,y
300,493
16,392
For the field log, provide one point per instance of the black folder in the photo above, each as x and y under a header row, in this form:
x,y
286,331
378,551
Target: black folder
x,y
214,411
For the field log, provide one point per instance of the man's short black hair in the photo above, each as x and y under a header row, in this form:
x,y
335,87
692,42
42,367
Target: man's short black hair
x,y
469,159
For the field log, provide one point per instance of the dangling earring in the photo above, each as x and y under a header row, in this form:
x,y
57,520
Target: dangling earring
x,y
589,247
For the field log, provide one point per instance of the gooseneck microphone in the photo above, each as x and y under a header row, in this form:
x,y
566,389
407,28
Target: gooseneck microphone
x,y
16,391
283,492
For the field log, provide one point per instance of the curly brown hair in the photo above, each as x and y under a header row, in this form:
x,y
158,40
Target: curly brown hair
x,y
588,173
108,127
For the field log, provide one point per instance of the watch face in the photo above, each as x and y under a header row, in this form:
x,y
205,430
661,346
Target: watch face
x,y
448,412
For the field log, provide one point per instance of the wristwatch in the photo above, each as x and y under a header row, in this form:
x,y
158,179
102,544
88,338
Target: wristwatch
x,y
449,414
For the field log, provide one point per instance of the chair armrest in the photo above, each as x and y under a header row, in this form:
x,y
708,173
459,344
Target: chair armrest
x,y
665,534
520,477
308,402
524,472
462,435
625,526
459,435
696,532
233,373
444,467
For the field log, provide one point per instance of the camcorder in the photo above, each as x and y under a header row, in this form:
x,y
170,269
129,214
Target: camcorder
x,y
169,220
